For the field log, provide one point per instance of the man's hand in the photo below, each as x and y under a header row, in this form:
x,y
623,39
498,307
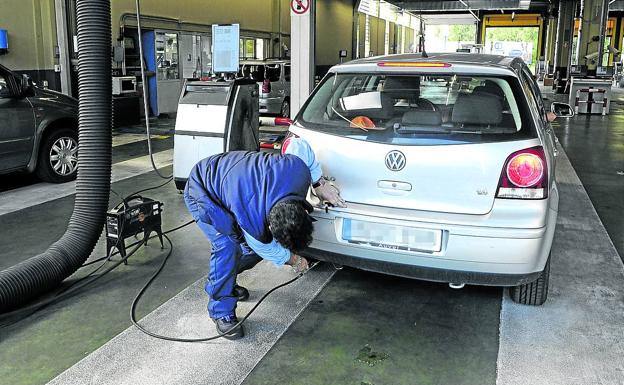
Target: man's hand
x,y
551,116
329,193
298,263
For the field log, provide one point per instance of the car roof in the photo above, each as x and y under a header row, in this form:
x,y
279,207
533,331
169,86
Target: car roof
x,y
459,62
265,61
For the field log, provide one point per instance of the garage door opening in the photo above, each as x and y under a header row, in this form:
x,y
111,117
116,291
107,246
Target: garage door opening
x,y
520,42
449,37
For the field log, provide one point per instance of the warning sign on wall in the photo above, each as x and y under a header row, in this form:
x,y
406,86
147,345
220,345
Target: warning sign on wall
x,y
300,7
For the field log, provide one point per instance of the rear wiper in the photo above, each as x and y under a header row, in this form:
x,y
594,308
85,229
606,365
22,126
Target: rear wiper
x,y
479,132
401,129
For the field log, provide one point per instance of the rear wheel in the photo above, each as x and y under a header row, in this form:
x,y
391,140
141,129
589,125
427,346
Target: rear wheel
x,y
285,110
58,156
534,293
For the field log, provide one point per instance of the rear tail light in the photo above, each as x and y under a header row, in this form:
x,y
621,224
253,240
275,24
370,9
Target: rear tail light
x,y
266,86
525,175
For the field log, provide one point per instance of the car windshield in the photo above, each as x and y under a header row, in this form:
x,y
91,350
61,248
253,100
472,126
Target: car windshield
x,y
405,109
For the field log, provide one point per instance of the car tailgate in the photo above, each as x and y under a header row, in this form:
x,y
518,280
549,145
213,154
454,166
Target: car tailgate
x,y
458,178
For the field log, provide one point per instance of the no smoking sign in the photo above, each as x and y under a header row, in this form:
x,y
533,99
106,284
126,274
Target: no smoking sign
x,y
300,7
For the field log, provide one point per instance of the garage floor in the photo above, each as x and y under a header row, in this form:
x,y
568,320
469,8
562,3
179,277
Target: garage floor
x,y
331,327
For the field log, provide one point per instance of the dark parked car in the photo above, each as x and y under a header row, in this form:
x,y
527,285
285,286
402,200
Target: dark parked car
x,y
38,129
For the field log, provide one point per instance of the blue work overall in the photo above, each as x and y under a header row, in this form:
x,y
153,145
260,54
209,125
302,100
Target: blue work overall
x,y
229,192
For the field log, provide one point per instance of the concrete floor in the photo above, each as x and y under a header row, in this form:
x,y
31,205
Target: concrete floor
x,y
595,146
344,327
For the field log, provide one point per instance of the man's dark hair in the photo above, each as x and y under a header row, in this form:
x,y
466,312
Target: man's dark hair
x,y
291,225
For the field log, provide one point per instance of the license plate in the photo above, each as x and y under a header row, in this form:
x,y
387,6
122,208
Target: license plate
x,y
391,237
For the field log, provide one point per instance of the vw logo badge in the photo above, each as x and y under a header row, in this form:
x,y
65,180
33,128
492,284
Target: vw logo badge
x,y
395,160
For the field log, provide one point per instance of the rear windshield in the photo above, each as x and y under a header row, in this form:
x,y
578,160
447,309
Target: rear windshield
x,y
260,72
419,109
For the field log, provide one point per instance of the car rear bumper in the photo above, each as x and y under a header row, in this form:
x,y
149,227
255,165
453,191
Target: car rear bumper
x,y
420,272
471,254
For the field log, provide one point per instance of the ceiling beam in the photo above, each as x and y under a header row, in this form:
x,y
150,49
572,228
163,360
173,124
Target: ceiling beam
x,y
460,5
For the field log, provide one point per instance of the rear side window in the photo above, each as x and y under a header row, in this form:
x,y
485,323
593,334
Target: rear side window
x,y
287,72
419,109
534,93
256,72
273,72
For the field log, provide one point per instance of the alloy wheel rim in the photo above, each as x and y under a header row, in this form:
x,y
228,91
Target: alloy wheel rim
x,y
64,156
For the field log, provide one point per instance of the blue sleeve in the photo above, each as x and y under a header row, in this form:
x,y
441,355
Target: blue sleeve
x,y
273,251
303,151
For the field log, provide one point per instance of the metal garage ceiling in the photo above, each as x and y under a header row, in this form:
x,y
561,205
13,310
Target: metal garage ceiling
x,y
448,18
616,5
460,5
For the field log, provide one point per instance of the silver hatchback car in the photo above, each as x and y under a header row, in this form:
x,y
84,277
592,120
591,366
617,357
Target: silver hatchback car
x,y
447,163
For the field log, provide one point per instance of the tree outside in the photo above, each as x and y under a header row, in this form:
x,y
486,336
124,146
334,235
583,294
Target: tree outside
x,y
463,33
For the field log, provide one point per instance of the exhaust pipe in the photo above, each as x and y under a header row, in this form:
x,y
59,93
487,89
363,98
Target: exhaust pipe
x,y
456,286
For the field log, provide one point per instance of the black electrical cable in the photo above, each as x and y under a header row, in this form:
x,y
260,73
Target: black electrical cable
x,y
205,339
135,243
150,188
59,296
179,227
145,96
63,294
91,273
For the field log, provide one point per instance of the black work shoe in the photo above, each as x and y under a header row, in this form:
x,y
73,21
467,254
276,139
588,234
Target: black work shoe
x,y
241,293
225,324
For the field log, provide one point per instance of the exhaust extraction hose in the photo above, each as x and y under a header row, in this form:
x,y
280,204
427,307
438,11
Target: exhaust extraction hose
x,y
39,274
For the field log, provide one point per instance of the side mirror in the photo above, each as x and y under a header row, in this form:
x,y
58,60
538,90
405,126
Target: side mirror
x,y
562,110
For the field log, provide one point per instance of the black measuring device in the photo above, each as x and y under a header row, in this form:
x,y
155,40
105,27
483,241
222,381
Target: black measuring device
x,y
134,215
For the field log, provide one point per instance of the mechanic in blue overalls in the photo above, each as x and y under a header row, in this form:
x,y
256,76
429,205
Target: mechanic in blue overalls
x,y
252,206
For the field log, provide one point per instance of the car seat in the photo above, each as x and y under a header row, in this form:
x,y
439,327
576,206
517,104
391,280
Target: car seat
x,y
492,89
477,110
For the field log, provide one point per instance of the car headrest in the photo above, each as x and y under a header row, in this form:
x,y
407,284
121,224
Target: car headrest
x,y
491,90
407,87
480,109
422,117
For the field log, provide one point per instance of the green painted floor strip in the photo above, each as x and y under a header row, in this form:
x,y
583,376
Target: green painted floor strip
x,y
366,328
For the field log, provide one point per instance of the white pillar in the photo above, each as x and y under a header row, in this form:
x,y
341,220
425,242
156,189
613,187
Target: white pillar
x,y
63,45
302,31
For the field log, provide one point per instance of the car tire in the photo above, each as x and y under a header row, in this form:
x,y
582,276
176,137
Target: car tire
x,y
58,156
534,293
285,109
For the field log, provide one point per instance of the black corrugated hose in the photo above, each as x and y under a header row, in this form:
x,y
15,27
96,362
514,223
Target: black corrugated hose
x,y
23,282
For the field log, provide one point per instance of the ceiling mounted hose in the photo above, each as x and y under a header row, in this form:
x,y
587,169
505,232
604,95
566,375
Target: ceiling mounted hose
x,y
35,276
